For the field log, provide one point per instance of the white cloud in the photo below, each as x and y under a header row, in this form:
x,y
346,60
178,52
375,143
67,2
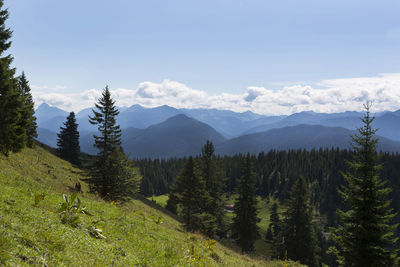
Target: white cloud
x,y
48,88
329,96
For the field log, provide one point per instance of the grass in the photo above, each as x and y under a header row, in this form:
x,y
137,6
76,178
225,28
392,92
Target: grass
x,y
136,234
262,247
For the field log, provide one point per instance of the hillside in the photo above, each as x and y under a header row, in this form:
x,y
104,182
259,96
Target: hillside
x,y
136,234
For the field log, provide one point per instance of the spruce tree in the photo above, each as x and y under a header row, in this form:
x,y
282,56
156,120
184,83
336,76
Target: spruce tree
x,y
112,174
189,192
365,235
214,180
275,221
276,232
104,116
12,136
28,119
125,179
68,140
244,226
300,240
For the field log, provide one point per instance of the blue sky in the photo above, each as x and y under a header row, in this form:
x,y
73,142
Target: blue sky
x,y
217,47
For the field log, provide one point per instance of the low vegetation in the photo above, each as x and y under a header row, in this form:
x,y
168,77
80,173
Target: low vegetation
x,y
130,234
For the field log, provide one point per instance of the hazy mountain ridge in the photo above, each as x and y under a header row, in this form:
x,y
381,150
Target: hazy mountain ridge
x,y
298,137
169,132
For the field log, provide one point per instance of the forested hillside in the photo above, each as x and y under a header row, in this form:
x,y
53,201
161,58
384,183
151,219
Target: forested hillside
x,y
32,232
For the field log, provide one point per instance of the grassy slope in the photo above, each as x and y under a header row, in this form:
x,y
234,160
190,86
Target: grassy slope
x,y
34,235
262,247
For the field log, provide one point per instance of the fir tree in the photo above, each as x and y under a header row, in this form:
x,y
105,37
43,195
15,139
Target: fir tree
x,y
125,179
68,140
112,174
365,236
244,227
276,231
105,118
28,119
275,221
102,173
12,136
214,185
300,240
189,192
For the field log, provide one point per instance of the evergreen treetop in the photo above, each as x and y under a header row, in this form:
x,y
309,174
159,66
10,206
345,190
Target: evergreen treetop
x,y
28,119
68,140
12,136
244,226
365,235
214,182
189,192
300,240
105,118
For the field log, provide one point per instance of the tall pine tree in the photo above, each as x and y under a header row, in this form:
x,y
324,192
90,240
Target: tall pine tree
x,y
12,136
28,119
113,175
365,235
105,118
214,180
109,139
190,194
276,231
300,240
68,140
244,227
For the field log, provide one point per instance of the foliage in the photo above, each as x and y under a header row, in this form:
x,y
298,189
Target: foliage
x,y
113,175
300,240
68,140
189,192
71,208
365,235
27,111
95,232
105,118
124,178
214,180
14,109
133,237
244,226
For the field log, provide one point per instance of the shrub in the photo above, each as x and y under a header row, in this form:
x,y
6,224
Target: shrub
x,y
70,210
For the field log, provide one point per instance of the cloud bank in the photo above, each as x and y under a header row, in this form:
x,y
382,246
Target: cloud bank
x,y
336,95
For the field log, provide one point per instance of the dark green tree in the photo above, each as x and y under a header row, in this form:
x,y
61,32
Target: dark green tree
x,y
172,201
275,221
189,192
365,235
105,117
68,140
126,178
12,136
28,119
276,232
214,180
103,171
244,226
300,240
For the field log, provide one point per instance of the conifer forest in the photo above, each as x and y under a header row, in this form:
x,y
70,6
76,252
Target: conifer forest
x,y
317,205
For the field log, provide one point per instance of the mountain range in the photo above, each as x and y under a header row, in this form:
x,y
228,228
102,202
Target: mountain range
x,y
164,131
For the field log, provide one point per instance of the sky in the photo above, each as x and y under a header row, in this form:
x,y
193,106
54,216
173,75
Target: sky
x,y
270,57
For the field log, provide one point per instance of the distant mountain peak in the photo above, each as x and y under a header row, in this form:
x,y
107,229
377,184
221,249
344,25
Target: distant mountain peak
x,y
43,105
